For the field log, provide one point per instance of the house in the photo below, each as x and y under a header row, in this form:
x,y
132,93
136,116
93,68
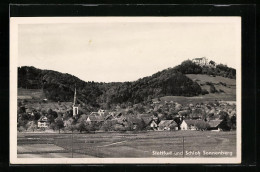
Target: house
x,y
109,117
167,125
29,111
214,124
101,112
153,125
188,124
95,119
147,120
135,121
118,114
218,125
43,122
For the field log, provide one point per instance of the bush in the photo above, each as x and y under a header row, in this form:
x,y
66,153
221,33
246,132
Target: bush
x,y
212,89
201,125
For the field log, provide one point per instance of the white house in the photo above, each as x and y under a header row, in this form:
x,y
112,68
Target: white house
x,y
153,125
188,125
43,122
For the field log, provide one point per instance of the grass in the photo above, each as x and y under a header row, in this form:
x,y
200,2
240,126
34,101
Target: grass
x,y
30,94
229,89
215,80
109,145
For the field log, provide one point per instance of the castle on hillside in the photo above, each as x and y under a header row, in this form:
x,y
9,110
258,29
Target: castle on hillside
x,y
203,61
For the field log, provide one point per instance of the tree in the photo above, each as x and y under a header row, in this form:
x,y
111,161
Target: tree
x,y
233,122
31,125
226,122
59,123
201,125
81,126
212,89
53,126
212,62
70,124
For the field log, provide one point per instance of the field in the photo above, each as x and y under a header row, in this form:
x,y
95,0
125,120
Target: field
x,y
30,94
229,88
116,145
229,93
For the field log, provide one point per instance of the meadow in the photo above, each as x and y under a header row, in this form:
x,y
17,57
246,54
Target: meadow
x,y
126,145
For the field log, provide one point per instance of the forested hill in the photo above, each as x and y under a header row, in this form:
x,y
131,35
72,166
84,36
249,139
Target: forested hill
x,y
172,81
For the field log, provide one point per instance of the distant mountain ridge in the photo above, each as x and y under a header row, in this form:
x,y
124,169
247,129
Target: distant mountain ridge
x,y
169,82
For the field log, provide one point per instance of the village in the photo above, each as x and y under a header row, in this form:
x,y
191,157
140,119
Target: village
x,y
156,115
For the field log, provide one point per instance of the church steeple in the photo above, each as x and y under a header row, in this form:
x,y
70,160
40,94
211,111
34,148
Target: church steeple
x,y
75,99
75,107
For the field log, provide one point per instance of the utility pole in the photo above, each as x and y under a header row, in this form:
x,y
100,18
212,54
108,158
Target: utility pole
x,y
183,146
72,144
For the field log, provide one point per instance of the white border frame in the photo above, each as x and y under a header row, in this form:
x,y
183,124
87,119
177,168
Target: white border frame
x,y
15,21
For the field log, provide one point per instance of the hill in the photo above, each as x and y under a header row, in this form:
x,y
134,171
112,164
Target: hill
x,y
187,79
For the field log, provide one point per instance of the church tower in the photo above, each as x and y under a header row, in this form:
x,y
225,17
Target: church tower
x,y
75,106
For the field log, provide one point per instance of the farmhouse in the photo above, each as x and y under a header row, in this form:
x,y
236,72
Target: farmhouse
x,y
147,120
43,122
188,125
214,124
29,111
167,125
153,125
95,119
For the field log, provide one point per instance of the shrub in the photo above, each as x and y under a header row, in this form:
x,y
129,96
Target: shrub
x,y
201,125
212,89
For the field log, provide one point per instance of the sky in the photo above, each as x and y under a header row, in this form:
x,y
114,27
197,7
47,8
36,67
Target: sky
x,y
117,50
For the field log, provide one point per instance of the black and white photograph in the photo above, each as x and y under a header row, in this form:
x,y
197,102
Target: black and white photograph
x,y
99,90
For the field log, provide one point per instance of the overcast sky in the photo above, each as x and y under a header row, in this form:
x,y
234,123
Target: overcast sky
x,y
125,51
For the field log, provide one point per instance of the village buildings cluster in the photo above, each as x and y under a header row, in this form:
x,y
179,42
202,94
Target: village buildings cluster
x,y
157,115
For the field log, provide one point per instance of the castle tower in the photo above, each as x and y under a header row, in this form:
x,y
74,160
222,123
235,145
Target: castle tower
x,y
75,106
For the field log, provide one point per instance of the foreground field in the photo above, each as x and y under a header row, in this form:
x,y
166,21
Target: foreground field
x,y
149,144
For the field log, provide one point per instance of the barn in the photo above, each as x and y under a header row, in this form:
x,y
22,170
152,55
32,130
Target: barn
x,y
214,124
167,125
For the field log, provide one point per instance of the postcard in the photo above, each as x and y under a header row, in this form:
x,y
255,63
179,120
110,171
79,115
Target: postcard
x,y
131,90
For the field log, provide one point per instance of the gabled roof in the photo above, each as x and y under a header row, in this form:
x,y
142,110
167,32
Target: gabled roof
x,y
214,123
118,114
28,110
43,118
167,123
147,120
109,117
94,113
190,121
96,118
